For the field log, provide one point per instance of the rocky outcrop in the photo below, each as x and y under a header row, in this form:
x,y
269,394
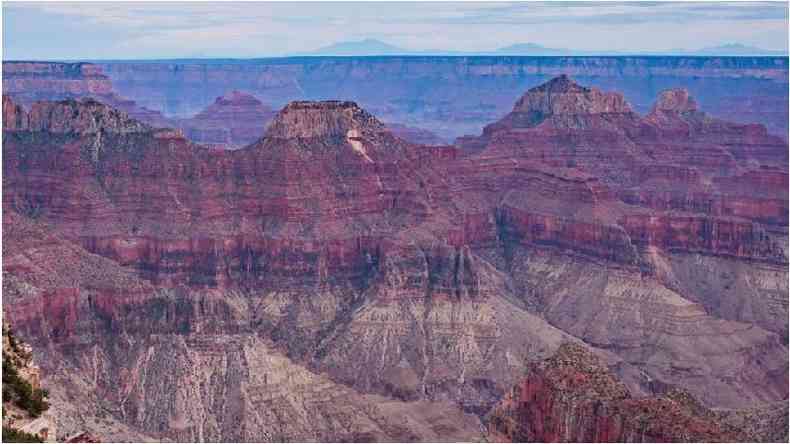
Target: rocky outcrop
x,y
572,397
675,101
307,120
234,120
86,117
30,82
562,104
562,97
14,116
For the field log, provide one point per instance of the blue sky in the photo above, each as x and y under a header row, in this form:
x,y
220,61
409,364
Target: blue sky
x,y
100,30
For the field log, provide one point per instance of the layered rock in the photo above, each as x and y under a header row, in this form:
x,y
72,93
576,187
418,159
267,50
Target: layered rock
x,y
28,82
449,96
572,397
86,117
453,96
234,120
560,99
676,159
386,273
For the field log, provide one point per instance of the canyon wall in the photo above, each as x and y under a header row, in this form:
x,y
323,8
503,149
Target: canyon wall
x,y
393,277
453,96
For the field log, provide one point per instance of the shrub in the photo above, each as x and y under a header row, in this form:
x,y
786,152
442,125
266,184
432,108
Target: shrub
x,y
13,435
20,392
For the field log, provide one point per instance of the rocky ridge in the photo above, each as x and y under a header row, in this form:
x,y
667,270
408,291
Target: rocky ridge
x,y
233,120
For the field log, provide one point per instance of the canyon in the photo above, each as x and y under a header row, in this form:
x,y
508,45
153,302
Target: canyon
x,y
448,96
333,281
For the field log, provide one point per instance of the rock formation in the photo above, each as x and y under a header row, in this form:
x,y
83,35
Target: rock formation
x,y
233,120
453,96
449,96
572,397
392,278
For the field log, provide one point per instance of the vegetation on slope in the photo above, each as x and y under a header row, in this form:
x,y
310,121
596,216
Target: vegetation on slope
x,y
18,390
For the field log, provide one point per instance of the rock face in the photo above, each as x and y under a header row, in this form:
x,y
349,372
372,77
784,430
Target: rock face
x,y
233,120
562,96
32,81
323,120
178,286
29,82
572,397
86,117
14,116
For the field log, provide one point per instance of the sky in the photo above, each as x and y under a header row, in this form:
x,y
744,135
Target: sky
x,y
142,30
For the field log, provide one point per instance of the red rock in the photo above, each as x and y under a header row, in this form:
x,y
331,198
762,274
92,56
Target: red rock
x,y
675,159
572,397
363,248
233,120
14,117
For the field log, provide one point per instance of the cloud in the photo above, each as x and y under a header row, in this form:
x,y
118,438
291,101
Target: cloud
x,y
243,29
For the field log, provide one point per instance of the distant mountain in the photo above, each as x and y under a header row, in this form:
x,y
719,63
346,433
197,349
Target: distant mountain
x,y
362,47
731,49
371,47
736,49
532,49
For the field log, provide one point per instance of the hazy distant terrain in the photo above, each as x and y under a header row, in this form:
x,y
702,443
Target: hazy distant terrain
x,y
452,96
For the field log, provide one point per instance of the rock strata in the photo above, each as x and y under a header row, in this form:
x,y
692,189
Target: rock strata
x,y
234,120
388,275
